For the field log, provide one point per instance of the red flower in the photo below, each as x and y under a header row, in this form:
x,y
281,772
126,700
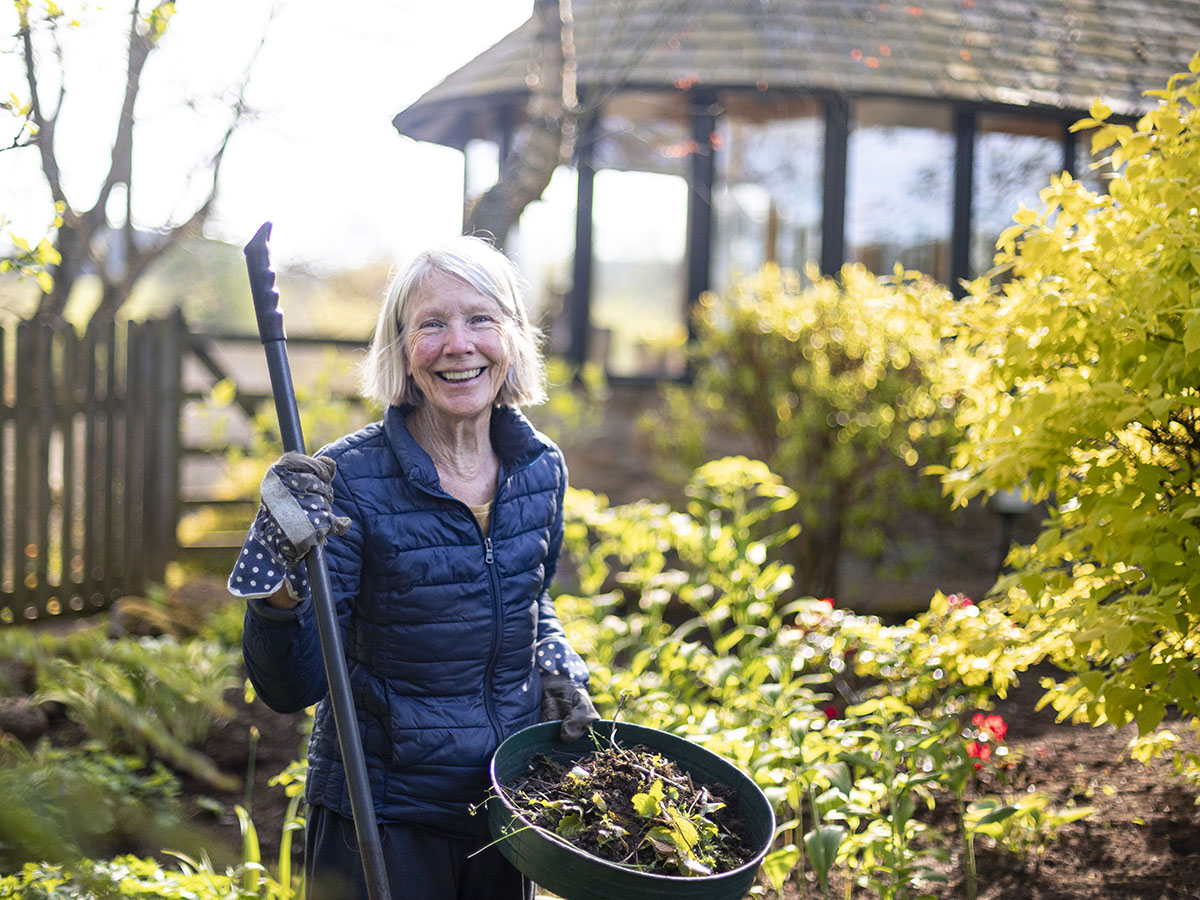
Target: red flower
x,y
831,712
981,752
959,601
994,725
828,600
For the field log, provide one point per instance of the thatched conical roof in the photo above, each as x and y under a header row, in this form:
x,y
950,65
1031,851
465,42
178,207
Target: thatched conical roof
x,y
1054,54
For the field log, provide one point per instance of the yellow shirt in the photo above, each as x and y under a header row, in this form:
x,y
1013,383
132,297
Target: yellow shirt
x,y
483,514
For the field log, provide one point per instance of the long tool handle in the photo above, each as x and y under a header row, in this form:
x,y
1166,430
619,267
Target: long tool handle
x,y
270,329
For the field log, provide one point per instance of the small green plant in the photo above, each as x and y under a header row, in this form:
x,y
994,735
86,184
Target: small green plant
x,y
132,878
292,780
153,697
1022,825
64,803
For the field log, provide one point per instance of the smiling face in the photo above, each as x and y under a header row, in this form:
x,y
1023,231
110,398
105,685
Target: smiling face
x,y
456,347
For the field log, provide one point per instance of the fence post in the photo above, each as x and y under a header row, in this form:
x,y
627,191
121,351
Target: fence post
x,y
161,500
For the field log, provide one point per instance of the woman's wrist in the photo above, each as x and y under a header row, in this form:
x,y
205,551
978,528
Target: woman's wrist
x,y
282,599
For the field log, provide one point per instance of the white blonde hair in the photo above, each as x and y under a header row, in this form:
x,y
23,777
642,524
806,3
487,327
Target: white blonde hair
x,y
479,264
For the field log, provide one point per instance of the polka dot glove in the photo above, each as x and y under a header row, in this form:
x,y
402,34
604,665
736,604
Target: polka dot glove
x,y
256,574
295,515
554,656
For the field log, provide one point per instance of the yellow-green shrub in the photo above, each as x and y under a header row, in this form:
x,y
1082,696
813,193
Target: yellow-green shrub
x,y
1080,382
829,384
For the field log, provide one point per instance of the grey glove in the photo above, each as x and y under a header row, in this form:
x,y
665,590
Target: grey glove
x,y
563,699
296,513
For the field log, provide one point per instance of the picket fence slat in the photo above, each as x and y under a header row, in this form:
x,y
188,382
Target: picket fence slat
x,y
89,464
91,454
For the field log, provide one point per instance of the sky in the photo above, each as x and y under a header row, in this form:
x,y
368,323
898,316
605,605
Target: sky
x,y
320,160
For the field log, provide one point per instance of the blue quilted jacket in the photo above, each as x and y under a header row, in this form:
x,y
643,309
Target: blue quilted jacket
x,y
439,622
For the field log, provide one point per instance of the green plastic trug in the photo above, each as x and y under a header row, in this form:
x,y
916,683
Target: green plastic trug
x,y
557,866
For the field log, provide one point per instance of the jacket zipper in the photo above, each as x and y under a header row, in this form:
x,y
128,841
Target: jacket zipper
x,y
489,559
489,676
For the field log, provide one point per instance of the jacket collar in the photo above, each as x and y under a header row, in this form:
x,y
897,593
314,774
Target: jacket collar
x,y
514,438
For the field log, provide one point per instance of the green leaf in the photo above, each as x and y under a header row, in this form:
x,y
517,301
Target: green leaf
x,y
223,393
996,815
1150,715
684,830
778,865
1191,332
649,804
822,845
570,825
1118,638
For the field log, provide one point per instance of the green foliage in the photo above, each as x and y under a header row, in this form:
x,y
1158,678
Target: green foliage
x,y
1022,825
152,697
34,259
830,385
292,780
326,413
849,726
64,803
128,877
1078,383
574,401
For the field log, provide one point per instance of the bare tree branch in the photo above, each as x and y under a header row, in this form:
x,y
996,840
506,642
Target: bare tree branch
x,y
138,261
84,235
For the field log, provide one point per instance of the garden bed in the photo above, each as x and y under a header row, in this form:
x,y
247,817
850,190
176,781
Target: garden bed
x,y
1142,842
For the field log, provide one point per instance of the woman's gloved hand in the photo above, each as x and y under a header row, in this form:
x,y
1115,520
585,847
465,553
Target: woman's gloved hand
x,y
563,699
294,517
296,513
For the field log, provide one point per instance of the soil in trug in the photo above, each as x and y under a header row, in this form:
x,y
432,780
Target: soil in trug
x,y
590,802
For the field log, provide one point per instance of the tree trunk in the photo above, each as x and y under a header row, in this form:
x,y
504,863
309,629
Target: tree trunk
x,y
817,556
527,169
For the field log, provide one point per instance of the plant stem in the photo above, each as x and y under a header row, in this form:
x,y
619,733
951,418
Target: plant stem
x,y
971,876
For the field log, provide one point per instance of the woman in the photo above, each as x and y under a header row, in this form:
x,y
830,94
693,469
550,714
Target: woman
x,y
443,525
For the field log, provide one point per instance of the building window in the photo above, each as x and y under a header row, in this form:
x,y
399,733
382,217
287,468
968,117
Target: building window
x,y
481,168
767,196
639,217
543,245
637,314
1015,156
899,186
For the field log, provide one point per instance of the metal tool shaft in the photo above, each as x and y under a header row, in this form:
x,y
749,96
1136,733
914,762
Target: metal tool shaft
x,y
270,330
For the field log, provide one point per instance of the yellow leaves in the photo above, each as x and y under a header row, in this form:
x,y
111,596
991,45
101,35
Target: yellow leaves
x,y
16,107
156,22
1025,216
1191,333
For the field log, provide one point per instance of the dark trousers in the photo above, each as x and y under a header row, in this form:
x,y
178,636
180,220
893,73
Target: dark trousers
x,y
421,864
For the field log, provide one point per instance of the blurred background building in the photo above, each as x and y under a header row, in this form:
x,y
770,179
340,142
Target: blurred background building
x,y
717,135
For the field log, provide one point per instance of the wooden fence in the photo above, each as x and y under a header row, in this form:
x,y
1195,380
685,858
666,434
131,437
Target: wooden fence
x,y
89,464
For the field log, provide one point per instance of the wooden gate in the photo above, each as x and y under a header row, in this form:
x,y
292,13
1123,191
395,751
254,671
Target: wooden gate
x,y
89,464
